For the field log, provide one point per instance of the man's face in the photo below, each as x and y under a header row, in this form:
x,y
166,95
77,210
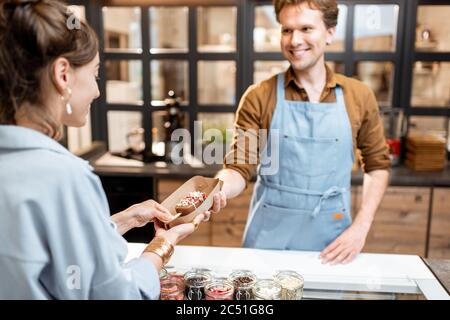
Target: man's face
x,y
304,36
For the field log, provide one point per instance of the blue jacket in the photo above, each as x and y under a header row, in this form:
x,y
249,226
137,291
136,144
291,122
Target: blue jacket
x,y
57,240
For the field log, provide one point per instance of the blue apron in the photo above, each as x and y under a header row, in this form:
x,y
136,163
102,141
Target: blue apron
x,y
305,205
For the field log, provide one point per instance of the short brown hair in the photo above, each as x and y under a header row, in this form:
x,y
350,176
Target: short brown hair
x,y
328,8
33,34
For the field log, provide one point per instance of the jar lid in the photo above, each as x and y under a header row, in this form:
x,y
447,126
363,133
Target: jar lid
x,y
163,273
197,279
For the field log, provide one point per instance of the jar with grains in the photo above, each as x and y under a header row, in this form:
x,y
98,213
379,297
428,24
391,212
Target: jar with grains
x,y
291,284
266,289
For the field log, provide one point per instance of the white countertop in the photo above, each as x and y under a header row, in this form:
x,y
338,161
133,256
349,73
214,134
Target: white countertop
x,y
368,272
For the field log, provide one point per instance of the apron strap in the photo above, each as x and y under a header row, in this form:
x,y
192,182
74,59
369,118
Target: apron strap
x,y
280,88
329,193
339,96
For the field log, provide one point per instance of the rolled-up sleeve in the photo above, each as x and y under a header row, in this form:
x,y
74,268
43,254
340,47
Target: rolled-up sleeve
x,y
244,153
371,140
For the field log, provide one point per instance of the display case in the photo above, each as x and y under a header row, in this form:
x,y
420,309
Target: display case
x,y
426,91
370,276
365,45
151,49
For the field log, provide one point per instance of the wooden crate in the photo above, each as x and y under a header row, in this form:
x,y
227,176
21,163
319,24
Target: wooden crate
x,y
400,222
440,225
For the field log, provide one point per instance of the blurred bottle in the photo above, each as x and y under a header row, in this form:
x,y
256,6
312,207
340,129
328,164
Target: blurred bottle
x,y
173,120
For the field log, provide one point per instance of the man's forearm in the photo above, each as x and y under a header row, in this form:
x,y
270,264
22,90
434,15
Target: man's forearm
x,y
374,186
233,182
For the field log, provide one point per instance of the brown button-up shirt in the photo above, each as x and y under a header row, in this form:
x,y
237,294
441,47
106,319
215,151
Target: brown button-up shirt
x,y
258,103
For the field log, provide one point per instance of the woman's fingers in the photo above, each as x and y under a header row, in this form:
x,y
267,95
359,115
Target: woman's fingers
x,y
198,219
160,212
207,215
161,208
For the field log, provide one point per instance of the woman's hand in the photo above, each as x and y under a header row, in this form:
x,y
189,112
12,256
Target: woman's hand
x,y
173,235
140,214
181,231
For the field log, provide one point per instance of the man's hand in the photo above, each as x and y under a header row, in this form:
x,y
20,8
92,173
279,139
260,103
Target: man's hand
x,y
140,214
220,202
347,246
233,185
350,243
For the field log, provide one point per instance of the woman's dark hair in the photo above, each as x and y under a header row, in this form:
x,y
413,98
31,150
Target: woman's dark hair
x,y
33,34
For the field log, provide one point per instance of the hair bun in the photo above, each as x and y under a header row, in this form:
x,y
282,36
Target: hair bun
x,y
12,4
23,2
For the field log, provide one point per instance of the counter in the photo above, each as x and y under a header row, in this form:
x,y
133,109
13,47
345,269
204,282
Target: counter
x,y
370,276
400,175
128,182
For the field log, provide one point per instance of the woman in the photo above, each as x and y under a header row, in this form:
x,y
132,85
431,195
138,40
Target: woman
x,y
56,234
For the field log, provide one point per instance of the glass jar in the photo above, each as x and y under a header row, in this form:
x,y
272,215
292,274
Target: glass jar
x,y
266,289
219,290
195,282
163,273
243,281
291,284
172,288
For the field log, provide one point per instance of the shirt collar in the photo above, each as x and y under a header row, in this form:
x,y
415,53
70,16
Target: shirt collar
x,y
14,137
331,80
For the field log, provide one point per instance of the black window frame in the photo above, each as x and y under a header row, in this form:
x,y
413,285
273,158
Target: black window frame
x,y
403,59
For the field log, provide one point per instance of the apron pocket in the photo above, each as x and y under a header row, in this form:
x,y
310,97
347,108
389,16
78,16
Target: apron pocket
x,y
296,229
333,223
276,226
309,156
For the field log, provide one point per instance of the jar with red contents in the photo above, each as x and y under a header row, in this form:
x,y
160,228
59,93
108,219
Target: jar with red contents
x,y
172,288
219,290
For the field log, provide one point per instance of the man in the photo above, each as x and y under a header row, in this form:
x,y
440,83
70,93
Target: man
x,y
321,119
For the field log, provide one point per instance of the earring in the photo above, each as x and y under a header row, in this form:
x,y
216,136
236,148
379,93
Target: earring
x,y
68,106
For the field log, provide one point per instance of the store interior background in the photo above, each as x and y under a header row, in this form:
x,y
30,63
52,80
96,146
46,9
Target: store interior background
x,y
209,52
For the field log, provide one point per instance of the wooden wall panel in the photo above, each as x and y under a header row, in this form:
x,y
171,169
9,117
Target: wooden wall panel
x,y
440,225
399,226
400,222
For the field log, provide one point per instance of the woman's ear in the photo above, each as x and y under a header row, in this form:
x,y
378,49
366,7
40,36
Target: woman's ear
x,y
61,74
